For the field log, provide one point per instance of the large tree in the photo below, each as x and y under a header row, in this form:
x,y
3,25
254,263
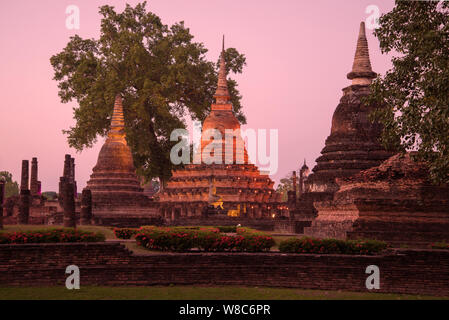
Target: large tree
x,y
416,89
159,70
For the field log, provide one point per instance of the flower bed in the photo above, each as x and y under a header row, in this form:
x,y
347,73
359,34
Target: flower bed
x,y
331,246
204,239
51,236
124,233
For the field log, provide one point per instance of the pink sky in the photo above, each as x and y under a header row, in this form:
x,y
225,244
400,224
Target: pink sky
x,y
298,54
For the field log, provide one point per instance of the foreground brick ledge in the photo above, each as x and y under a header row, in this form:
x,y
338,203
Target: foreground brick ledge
x,y
117,243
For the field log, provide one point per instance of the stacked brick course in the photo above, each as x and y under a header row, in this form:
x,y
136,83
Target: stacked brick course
x,y
424,272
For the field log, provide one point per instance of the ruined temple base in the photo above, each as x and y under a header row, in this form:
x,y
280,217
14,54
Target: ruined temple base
x,y
394,202
126,217
291,226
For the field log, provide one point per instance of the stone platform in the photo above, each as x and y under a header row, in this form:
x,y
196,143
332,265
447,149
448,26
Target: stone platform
x,y
394,202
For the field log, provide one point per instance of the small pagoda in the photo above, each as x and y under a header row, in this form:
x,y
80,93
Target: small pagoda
x,y
232,188
117,196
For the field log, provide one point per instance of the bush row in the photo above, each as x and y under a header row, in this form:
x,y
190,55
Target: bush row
x,y
440,245
172,239
331,246
127,233
51,236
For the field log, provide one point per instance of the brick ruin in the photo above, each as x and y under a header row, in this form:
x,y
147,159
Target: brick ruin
x,y
353,144
30,206
394,202
358,190
233,189
86,208
117,197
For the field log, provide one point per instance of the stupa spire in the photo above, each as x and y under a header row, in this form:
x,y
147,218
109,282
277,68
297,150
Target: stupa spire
x,y
361,73
222,94
117,130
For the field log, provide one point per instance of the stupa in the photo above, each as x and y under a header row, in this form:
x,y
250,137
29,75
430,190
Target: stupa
x,y
117,197
354,142
220,182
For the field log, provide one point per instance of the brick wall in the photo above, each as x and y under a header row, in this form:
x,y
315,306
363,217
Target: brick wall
x,y
110,264
259,224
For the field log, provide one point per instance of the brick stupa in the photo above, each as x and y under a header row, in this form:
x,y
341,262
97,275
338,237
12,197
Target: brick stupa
x,y
354,142
117,197
235,187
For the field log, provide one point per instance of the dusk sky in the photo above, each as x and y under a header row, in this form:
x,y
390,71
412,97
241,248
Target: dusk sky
x,y
298,54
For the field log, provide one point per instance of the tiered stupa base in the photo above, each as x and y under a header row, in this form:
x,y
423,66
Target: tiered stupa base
x,y
242,190
393,202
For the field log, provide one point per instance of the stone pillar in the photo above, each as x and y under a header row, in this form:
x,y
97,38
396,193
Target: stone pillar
x,y
86,207
68,204
67,166
2,195
61,192
69,177
72,176
25,175
294,182
34,185
24,207
24,196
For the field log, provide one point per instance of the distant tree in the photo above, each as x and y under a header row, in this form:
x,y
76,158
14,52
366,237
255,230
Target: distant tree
x,y
285,185
50,195
161,73
416,89
11,187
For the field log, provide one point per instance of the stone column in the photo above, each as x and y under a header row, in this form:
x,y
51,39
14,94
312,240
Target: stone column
x,y
25,175
34,186
2,195
72,176
67,166
68,204
294,182
86,207
61,192
24,207
24,196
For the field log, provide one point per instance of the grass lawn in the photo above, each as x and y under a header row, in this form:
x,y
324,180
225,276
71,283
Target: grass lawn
x,y
193,293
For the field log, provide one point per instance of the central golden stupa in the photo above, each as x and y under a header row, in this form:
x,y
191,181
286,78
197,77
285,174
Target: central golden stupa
x,y
233,187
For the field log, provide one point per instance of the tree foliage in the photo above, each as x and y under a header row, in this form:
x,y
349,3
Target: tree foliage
x,y
161,73
11,187
285,185
416,89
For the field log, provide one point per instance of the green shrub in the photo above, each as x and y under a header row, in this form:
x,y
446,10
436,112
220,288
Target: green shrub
x,y
331,246
440,245
51,236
